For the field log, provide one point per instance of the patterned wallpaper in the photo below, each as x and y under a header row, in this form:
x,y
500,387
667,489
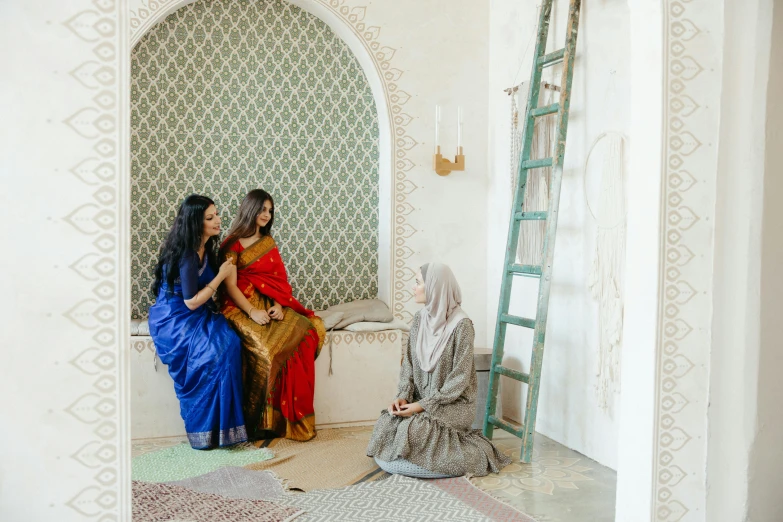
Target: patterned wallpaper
x,y
232,95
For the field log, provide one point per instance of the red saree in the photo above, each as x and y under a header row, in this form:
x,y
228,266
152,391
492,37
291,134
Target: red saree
x,y
278,359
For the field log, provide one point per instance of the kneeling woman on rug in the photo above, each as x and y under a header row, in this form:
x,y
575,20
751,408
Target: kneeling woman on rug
x,y
192,338
280,337
426,431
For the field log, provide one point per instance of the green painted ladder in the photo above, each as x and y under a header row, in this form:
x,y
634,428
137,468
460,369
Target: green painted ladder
x,y
543,271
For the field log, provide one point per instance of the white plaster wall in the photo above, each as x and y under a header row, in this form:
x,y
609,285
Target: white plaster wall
x,y
443,48
640,329
744,452
735,351
49,336
568,405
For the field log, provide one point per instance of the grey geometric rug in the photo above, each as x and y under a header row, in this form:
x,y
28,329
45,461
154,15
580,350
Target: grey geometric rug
x,y
396,499
155,502
234,482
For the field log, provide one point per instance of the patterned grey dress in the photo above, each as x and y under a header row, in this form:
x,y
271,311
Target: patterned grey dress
x,y
440,438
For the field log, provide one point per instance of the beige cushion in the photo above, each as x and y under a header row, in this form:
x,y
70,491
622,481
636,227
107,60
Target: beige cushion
x,y
373,310
330,318
139,327
369,326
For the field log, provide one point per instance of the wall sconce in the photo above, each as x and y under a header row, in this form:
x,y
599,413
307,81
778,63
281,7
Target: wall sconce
x,y
444,167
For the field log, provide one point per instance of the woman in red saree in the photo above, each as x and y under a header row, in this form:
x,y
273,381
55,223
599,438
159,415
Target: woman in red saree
x,y
280,338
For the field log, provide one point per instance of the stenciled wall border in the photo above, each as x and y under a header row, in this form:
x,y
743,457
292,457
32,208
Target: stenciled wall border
x,y
691,90
143,344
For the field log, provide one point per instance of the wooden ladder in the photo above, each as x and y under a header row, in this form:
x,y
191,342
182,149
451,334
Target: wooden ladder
x,y
544,271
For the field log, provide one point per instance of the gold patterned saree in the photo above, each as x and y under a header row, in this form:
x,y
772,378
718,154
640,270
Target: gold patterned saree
x,y
278,359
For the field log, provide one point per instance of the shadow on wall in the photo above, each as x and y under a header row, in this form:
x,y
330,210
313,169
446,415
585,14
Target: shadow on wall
x,y
766,459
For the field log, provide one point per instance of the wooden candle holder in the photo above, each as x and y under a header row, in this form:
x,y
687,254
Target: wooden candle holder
x,y
444,167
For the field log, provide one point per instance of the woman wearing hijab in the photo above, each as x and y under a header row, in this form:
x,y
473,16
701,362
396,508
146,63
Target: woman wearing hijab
x,y
426,431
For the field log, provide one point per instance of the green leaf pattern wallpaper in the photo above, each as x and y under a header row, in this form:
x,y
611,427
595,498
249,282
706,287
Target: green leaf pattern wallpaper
x,y
232,95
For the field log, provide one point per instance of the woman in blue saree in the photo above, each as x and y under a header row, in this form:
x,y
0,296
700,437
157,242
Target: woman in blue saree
x,y
192,337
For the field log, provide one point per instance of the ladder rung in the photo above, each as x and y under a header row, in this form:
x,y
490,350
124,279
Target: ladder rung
x,y
505,426
552,58
508,372
531,270
531,216
543,111
537,163
519,321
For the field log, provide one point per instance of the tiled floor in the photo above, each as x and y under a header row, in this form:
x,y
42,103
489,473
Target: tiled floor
x,y
560,485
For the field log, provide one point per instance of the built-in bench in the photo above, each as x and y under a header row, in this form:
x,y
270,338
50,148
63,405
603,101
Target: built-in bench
x,y
365,370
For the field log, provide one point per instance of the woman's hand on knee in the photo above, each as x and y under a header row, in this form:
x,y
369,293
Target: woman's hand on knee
x,y
396,405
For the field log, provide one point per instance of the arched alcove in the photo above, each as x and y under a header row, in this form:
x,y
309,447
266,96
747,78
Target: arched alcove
x,y
230,96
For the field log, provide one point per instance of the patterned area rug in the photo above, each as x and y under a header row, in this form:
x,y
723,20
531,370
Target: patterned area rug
x,y
232,482
263,485
333,459
397,499
165,502
181,461
461,488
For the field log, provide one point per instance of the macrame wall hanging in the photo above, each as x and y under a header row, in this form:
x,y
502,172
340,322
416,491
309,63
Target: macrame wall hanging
x,y
607,213
605,280
531,233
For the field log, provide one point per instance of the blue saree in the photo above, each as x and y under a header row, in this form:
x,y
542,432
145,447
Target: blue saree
x,y
204,357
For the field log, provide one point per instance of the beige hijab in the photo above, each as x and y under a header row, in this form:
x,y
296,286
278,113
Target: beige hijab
x,y
440,316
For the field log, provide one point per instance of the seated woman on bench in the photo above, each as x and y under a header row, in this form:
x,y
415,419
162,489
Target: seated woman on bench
x,y
192,338
280,338
426,431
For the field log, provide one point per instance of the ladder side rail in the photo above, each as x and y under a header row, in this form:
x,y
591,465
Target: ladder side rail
x,y
514,226
539,334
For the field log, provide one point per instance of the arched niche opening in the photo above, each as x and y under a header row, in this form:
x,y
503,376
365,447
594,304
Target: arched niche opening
x,y
231,96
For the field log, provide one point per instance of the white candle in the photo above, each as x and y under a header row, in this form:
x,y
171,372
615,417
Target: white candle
x,y
437,127
459,126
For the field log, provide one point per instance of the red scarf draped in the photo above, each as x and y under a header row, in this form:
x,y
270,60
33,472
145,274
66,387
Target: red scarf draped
x,y
260,267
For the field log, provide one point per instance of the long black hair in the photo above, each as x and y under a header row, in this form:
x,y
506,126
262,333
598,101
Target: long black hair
x,y
183,238
245,223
